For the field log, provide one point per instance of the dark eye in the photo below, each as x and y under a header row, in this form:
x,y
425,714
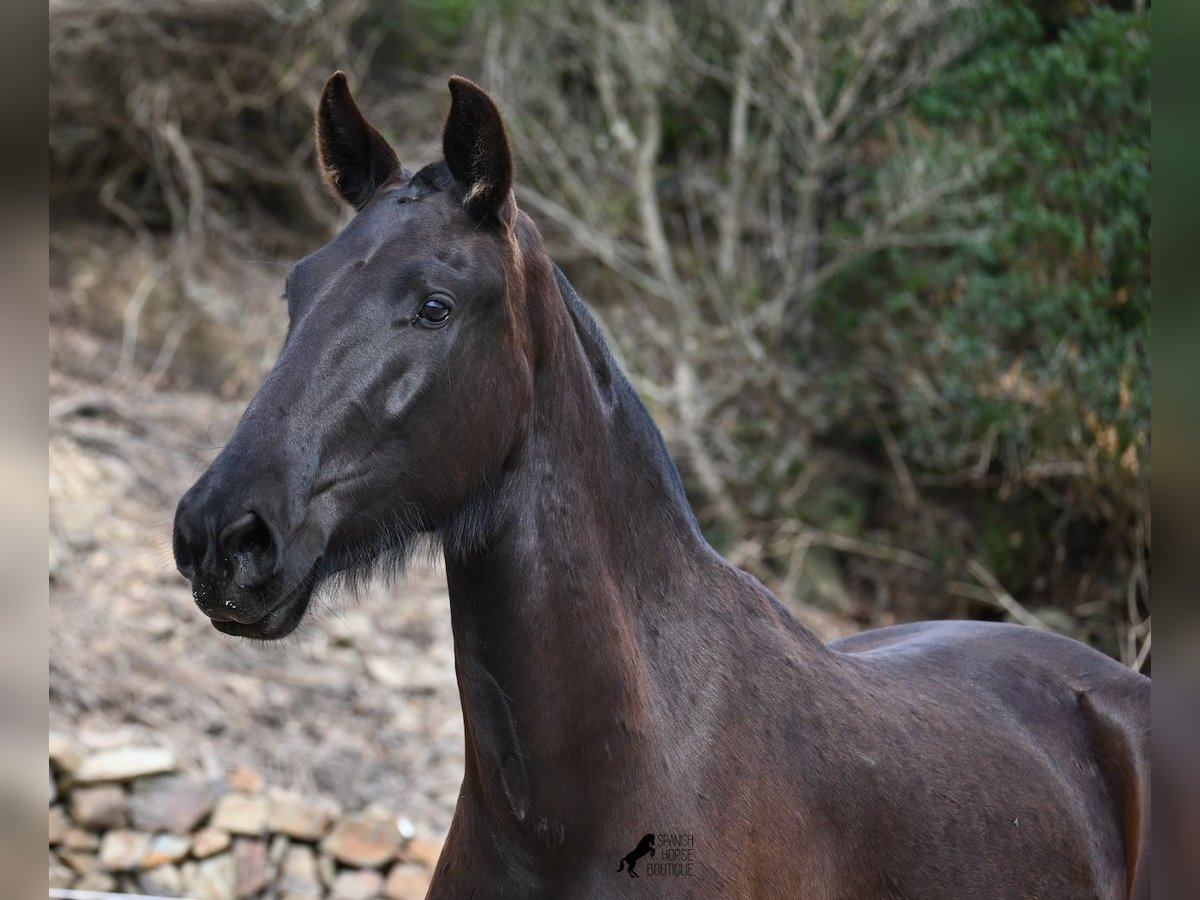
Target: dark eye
x,y
435,310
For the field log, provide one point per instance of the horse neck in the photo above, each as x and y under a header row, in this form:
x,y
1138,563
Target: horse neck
x,y
590,597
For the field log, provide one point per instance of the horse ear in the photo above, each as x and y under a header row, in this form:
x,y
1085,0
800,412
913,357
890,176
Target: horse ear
x,y
476,148
355,158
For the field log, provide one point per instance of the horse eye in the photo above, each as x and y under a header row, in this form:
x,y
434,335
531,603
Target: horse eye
x,y
435,310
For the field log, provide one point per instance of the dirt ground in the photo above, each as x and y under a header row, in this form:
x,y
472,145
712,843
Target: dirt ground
x,y
360,705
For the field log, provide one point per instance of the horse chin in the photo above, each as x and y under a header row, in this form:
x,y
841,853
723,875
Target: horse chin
x,y
279,622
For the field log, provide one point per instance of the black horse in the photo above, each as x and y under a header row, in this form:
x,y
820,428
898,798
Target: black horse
x,y
645,845
441,378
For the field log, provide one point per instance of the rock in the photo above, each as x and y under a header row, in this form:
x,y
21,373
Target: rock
x,y
213,879
387,671
208,841
64,758
123,850
361,884
96,881
241,814
161,881
99,808
352,628
59,558
60,875
159,626
250,866
171,803
296,817
423,851
80,862
58,825
407,881
53,789
189,872
428,676
364,839
275,853
298,875
78,839
166,848
125,764
327,869
245,780
74,522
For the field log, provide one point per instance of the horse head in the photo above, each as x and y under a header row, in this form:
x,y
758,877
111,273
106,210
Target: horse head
x,y
402,384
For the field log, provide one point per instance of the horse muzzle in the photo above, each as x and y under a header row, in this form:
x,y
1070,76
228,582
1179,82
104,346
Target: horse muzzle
x,y
279,621
243,576
260,615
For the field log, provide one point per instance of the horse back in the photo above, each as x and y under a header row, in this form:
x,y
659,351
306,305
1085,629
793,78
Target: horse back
x,y
1078,720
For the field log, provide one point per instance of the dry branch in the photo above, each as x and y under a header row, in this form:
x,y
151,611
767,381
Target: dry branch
x,y
724,236
155,106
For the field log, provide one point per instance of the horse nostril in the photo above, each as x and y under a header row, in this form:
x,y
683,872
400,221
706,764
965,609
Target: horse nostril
x,y
247,534
250,548
184,559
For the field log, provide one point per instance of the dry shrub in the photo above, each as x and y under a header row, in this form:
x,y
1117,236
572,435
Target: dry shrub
x,y
189,123
193,117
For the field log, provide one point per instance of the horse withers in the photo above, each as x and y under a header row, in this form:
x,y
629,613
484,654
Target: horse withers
x,y
442,380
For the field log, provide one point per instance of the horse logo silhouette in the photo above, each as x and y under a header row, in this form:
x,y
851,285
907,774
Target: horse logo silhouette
x,y
645,845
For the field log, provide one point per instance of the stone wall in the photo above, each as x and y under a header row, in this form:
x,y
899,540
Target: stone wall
x,y
127,820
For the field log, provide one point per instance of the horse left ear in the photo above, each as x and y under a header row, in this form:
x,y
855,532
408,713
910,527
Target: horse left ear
x,y
355,158
475,144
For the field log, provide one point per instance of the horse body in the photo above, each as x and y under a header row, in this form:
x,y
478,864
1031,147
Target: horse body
x,y
647,683
617,676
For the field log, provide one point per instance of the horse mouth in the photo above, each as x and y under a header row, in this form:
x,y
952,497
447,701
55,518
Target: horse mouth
x,y
279,622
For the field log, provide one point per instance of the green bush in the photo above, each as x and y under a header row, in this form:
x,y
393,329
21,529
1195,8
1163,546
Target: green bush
x,y
1017,366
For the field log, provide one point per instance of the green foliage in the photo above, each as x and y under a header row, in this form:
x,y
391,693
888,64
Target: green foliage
x,y
415,35
1025,355
443,21
1057,302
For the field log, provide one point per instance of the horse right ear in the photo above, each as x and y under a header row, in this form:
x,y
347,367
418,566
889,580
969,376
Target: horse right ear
x,y
355,158
475,144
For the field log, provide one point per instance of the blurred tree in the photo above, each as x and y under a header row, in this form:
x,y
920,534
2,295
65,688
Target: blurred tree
x,y
884,270
706,156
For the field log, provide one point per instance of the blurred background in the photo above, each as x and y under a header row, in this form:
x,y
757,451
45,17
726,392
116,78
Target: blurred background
x,y
881,270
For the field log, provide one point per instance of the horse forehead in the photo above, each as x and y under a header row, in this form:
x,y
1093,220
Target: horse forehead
x,y
392,233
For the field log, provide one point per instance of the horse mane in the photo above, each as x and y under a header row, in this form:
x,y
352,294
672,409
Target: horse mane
x,y
612,381
436,178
